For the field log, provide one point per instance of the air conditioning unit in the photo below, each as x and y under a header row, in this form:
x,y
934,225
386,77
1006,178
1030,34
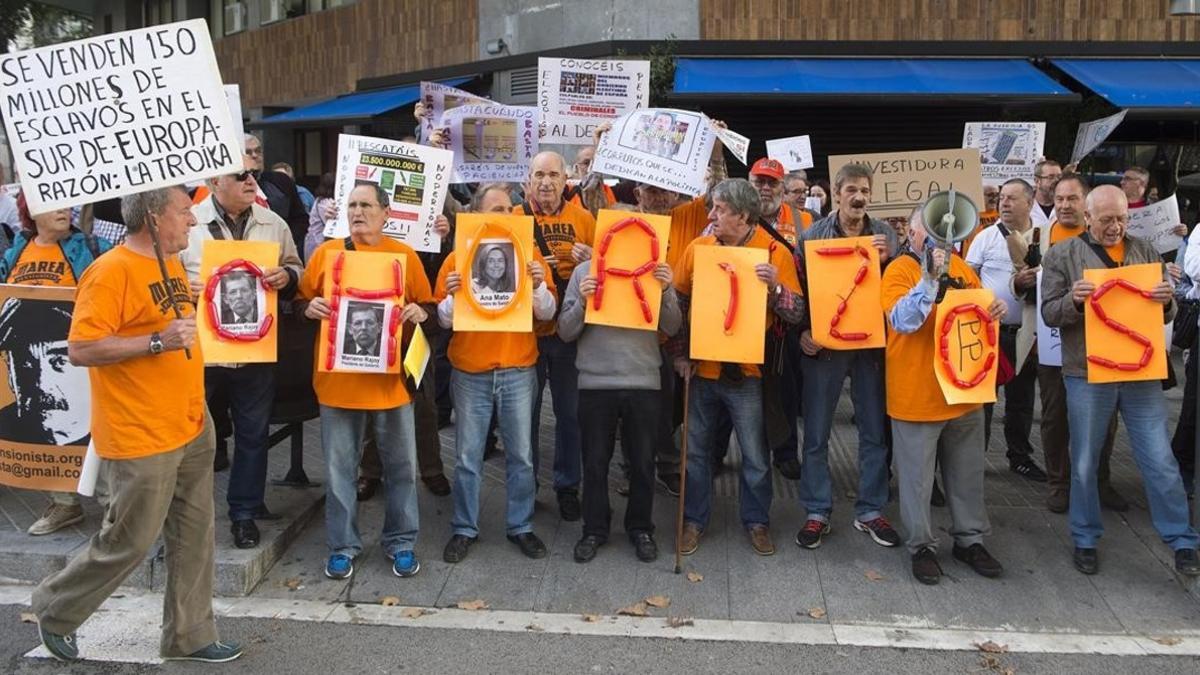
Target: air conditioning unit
x,y
235,17
276,10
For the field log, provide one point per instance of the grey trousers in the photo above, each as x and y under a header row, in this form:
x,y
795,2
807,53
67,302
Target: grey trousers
x,y
957,445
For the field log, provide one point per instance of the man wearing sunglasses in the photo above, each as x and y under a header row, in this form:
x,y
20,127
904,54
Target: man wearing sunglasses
x,y
230,212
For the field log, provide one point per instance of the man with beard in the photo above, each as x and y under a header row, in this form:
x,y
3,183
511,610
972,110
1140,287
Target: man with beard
x,y
50,396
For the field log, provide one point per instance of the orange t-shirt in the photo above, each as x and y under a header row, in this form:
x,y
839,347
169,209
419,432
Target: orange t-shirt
x,y
151,404
362,391
558,234
779,257
687,222
786,225
479,352
610,197
1059,233
41,265
913,393
1116,252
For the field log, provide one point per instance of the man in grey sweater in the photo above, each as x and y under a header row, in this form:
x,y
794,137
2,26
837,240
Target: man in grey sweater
x,y
618,382
1090,406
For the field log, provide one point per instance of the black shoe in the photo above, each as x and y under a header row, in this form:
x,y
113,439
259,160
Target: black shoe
x,y
438,485
245,534
568,505
925,567
790,468
937,497
585,549
1186,562
643,544
367,488
979,559
1027,468
456,548
530,545
670,483
1086,560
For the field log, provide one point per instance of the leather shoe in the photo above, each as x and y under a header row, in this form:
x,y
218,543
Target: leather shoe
x,y
1058,501
925,567
1186,562
529,544
691,539
438,484
979,560
568,505
367,488
644,546
760,540
585,548
456,549
245,533
1086,560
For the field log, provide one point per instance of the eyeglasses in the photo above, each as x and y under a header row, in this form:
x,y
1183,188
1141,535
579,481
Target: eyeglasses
x,y
241,177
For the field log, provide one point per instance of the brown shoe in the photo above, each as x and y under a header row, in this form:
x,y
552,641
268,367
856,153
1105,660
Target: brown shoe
x,y
1058,501
691,539
56,517
760,540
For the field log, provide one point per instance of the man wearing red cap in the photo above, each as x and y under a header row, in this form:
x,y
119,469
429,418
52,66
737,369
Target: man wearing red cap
x,y
767,177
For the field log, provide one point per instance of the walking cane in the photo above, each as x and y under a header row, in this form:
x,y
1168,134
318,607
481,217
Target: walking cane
x,y
687,388
162,269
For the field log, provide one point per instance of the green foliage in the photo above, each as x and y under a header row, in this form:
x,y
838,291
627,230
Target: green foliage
x,y
662,69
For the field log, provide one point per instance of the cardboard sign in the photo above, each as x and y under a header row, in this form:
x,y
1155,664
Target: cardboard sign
x,y
1092,134
1156,223
843,299
966,347
492,142
363,334
491,253
117,114
904,180
45,402
1049,339
724,282
576,95
793,153
416,178
438,98
1007,150
666,148
735,143
1114,355
621,303
240,303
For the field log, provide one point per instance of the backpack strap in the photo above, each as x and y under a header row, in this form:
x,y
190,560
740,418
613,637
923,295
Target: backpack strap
x,y
349,244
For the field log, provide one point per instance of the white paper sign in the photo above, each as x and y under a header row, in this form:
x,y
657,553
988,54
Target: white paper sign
x,y
492,142
1049,341
1007,150
417,177
734,142
438,98
1092,134
117,114
793,153
576,95
233,96
666,148
1154,223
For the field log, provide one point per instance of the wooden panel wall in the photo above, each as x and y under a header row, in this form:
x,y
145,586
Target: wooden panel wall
x,y
1073,20
325,53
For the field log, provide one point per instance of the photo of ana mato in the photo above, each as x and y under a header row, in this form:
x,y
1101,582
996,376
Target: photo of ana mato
x,y
361,335
242,302
493,273
489,140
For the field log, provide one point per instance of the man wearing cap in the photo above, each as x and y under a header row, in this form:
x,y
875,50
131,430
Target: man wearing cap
x,y
782,218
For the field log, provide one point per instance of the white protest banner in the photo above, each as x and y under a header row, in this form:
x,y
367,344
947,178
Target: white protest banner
x,y
1049,341
233,96
438,98
1092,134
1007,150
1154,223
736,143
576,95
416,177
793,153
492,142
117,114
904,180
666,148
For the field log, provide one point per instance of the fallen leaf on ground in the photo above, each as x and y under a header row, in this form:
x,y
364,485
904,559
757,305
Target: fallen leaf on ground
x,y
659,601
817,613
1169,641
414,612
389,601
680,621
591,618
695,577
294,584
636,609
991,647
873,575
471,605
28,617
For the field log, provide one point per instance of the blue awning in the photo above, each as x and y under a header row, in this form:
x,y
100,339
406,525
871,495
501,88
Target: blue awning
x,y
1139,83
351,108
886,79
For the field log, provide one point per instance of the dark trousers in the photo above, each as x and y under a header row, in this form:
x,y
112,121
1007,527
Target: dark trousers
x,y
637,411
791,394
429,443
1018,403
248,393
1183,443
556,364
666,454
442,369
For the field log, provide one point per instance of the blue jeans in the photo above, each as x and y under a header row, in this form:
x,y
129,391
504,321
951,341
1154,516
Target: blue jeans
x,y
249,391
823,378
1142,408
743,401
509,393
342,437
556,363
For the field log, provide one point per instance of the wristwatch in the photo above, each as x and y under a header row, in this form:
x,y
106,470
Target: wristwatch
x,y
156,343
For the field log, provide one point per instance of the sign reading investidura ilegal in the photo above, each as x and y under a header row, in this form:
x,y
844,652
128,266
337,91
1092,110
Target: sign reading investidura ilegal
x,y
117,114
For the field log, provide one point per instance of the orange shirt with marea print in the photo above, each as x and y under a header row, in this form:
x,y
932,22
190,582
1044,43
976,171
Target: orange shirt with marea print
x,y
41,265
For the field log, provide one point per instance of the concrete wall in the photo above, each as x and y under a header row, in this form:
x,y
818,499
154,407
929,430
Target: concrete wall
x,y
534,25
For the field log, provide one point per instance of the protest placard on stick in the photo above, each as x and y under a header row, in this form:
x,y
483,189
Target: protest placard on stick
x,y
1007,150
492,142
904,180
666,148
576,95
1156,224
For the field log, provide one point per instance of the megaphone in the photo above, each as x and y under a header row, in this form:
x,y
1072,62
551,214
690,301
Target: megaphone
x,y
949,218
